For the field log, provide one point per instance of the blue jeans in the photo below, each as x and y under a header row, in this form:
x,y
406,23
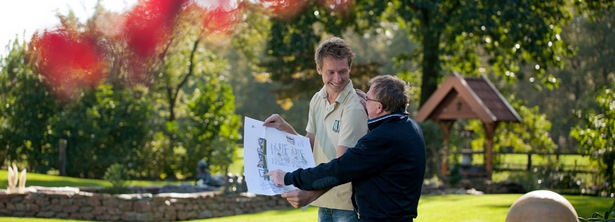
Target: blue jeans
x,y
334,215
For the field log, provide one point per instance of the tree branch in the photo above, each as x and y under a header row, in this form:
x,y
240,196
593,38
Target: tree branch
x,y
190,69
166,49
455,6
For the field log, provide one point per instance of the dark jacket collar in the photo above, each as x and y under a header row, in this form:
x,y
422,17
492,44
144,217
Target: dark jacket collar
x,y
375,122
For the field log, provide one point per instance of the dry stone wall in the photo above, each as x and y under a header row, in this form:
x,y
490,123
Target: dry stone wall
x,y
73,204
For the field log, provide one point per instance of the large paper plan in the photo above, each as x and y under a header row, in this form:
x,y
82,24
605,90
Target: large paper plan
x,y
265,149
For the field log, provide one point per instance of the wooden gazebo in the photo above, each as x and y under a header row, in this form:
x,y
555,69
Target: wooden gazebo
x,y
467,98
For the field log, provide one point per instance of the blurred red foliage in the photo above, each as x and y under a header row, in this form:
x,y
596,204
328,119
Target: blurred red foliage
x,y
221,18
150,23
68,60
284,9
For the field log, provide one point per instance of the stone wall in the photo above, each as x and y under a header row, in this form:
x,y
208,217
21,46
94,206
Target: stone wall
x,y
74,204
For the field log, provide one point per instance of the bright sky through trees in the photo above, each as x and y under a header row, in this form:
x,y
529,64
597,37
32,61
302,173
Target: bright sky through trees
x,y
27,16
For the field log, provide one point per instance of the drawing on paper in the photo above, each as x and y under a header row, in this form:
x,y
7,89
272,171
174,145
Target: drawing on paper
x,y
267,149
262,158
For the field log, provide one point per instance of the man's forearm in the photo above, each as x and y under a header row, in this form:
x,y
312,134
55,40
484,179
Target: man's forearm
x,y
300,198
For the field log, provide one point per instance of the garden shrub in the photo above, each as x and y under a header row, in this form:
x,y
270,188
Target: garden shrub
x,y
117,175
597,217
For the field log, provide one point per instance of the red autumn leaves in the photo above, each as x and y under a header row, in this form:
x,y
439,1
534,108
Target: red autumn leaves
x,y
68,61
284,9
149,25
72,60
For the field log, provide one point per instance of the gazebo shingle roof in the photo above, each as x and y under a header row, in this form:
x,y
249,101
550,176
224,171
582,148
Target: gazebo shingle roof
x,y
467,98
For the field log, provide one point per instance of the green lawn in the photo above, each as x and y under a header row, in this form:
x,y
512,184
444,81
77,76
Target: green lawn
x,y
470,208
431,208
35,179
237,166
460,208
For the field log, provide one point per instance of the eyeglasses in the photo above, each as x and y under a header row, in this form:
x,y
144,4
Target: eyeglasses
x,y
368,99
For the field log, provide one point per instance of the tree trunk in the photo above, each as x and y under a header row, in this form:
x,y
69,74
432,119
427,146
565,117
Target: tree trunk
x,y
609,161
167,159
431,62
62,157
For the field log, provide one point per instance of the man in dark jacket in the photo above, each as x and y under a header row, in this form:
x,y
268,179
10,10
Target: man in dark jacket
x,y
386,167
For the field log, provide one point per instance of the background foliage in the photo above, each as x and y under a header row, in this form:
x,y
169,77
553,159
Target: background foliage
x,y
551,60
157,127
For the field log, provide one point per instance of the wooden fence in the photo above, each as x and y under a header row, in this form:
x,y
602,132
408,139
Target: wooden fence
x,y
531,165
531,161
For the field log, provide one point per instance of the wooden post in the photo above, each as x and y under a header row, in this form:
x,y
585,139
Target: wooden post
x,y
62,157
489,135
445,126
529,161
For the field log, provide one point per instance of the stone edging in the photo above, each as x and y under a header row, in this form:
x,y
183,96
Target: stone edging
x,y
73,204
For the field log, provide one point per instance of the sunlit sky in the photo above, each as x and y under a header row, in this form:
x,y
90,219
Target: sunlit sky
x,y
19,18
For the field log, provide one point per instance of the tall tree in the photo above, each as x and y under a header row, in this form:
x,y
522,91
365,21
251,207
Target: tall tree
x,y
296,30
214,124
596,135
27,108
587,71
188,68
252,86
107,125
452,34
107,76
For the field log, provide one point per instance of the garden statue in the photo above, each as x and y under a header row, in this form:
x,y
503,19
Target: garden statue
x,y
541,205
13,179
203,175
